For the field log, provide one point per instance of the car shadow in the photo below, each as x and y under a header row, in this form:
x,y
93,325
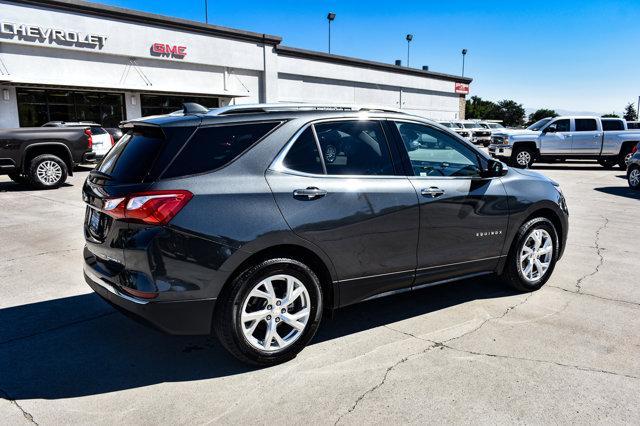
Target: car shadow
x,y
570,166
78,346
621,191
21,187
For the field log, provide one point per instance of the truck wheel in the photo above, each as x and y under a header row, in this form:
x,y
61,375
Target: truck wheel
x,y
607,164
533,255
633,177
47,172
522,158
269,313
624,157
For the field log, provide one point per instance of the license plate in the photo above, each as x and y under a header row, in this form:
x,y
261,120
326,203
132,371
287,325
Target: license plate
x,y
94,221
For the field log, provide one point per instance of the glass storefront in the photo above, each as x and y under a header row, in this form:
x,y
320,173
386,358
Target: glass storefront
x,y
38,106
161,104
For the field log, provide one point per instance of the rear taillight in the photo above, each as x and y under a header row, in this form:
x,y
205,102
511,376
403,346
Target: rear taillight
x,y
89,138
113,141
153,208
634,149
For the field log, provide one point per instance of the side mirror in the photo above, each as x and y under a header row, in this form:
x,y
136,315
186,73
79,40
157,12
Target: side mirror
x,y
494,168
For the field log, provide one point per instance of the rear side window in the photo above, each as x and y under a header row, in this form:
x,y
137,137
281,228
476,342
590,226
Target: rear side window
x,y
130,160
586,125
612,125
98,131
213,147
303,155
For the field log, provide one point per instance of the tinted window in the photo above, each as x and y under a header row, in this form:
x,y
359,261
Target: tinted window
x,y
434,153
563,125
131,158
98,130
612,125
303,155
586,125
354,148
213,147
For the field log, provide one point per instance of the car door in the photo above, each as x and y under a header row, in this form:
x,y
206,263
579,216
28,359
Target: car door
x,y
337,187
587,138
463,216
556,137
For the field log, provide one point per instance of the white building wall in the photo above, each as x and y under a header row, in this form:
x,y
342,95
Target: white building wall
x,y
8,107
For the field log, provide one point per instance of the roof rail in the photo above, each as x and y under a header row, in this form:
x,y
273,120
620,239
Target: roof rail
x,y
282,107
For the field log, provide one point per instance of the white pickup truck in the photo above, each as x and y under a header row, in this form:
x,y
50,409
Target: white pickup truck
x,y
606,140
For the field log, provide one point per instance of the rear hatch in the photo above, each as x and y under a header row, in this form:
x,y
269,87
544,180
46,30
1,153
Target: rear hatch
x,y
131,167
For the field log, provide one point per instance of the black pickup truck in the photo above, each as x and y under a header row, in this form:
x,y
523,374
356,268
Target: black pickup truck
x,y
43,157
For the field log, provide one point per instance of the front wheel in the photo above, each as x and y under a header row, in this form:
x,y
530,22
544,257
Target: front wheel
x,y
633,177
523,158
533,255
47,172
270,312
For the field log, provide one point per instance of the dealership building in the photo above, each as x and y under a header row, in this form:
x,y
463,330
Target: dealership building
x,y
74,60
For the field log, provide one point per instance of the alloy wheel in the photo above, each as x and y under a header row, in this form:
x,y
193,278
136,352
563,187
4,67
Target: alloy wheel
x,y
275,313
627,158
523,158
634,178
49,172
536,255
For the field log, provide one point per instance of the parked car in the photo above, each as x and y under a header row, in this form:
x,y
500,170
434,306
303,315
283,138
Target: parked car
x,y
633,169
233,220
606,140
102,140
494,127
633,125
44,157
458,128
479,135
115,132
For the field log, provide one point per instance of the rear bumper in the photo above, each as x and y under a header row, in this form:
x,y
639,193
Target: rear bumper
x,y
184,317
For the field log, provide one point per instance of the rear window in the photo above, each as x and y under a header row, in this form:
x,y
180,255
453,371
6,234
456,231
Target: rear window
x,y
131,158
98,130
213,147
612,125
586,125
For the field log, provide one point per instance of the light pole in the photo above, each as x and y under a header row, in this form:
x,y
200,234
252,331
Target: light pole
x,y
206,12
464,53
409,37
330,17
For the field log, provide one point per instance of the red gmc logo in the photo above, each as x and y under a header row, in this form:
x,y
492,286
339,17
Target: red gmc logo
x,y
168,50
462,88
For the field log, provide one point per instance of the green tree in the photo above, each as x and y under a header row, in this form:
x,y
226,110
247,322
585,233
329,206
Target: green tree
x,y
542,113
612,115
478,108
511,113
630,113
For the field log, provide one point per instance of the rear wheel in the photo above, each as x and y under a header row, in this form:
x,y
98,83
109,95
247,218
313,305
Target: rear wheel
x,y
625,156
633,177
533,255
47,172
522,157
270,312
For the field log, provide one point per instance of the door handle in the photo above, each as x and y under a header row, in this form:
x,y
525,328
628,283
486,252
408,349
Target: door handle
x,y
310,193
432,191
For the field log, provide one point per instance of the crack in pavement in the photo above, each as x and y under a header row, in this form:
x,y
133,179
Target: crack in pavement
x,y
42,254
12,401
433,344
582,293
599,251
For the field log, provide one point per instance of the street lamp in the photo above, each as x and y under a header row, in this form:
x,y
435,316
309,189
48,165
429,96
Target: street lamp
x,y
409,37
330,17
464,53
206,12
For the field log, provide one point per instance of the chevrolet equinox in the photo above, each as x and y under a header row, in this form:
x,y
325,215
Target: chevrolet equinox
x,y
251,221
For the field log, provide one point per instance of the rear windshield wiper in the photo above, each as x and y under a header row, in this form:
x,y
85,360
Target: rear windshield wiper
x,y
101,175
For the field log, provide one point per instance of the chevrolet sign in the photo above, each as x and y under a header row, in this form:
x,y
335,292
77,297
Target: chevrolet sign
x,y
37,33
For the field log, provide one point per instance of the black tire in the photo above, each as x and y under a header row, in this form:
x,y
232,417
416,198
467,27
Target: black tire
x,y
622,158
18,178
607,164
520,154
227,323
37,181
512,274
635,171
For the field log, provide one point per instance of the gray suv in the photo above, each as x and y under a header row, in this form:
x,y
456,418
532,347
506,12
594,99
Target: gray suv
x,y
251,221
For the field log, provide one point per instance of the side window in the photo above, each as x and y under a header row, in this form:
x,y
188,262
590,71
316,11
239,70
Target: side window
x,y
354,148
563,125
586,125
434,153
213,147
303,155
612,125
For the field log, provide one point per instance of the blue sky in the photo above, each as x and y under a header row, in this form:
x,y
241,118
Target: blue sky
x,y
570,55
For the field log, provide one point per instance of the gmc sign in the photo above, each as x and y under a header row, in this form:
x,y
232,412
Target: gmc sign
x,y
168,50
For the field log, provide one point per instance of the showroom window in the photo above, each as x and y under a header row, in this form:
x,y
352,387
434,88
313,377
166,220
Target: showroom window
x,y
161,104
38,106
